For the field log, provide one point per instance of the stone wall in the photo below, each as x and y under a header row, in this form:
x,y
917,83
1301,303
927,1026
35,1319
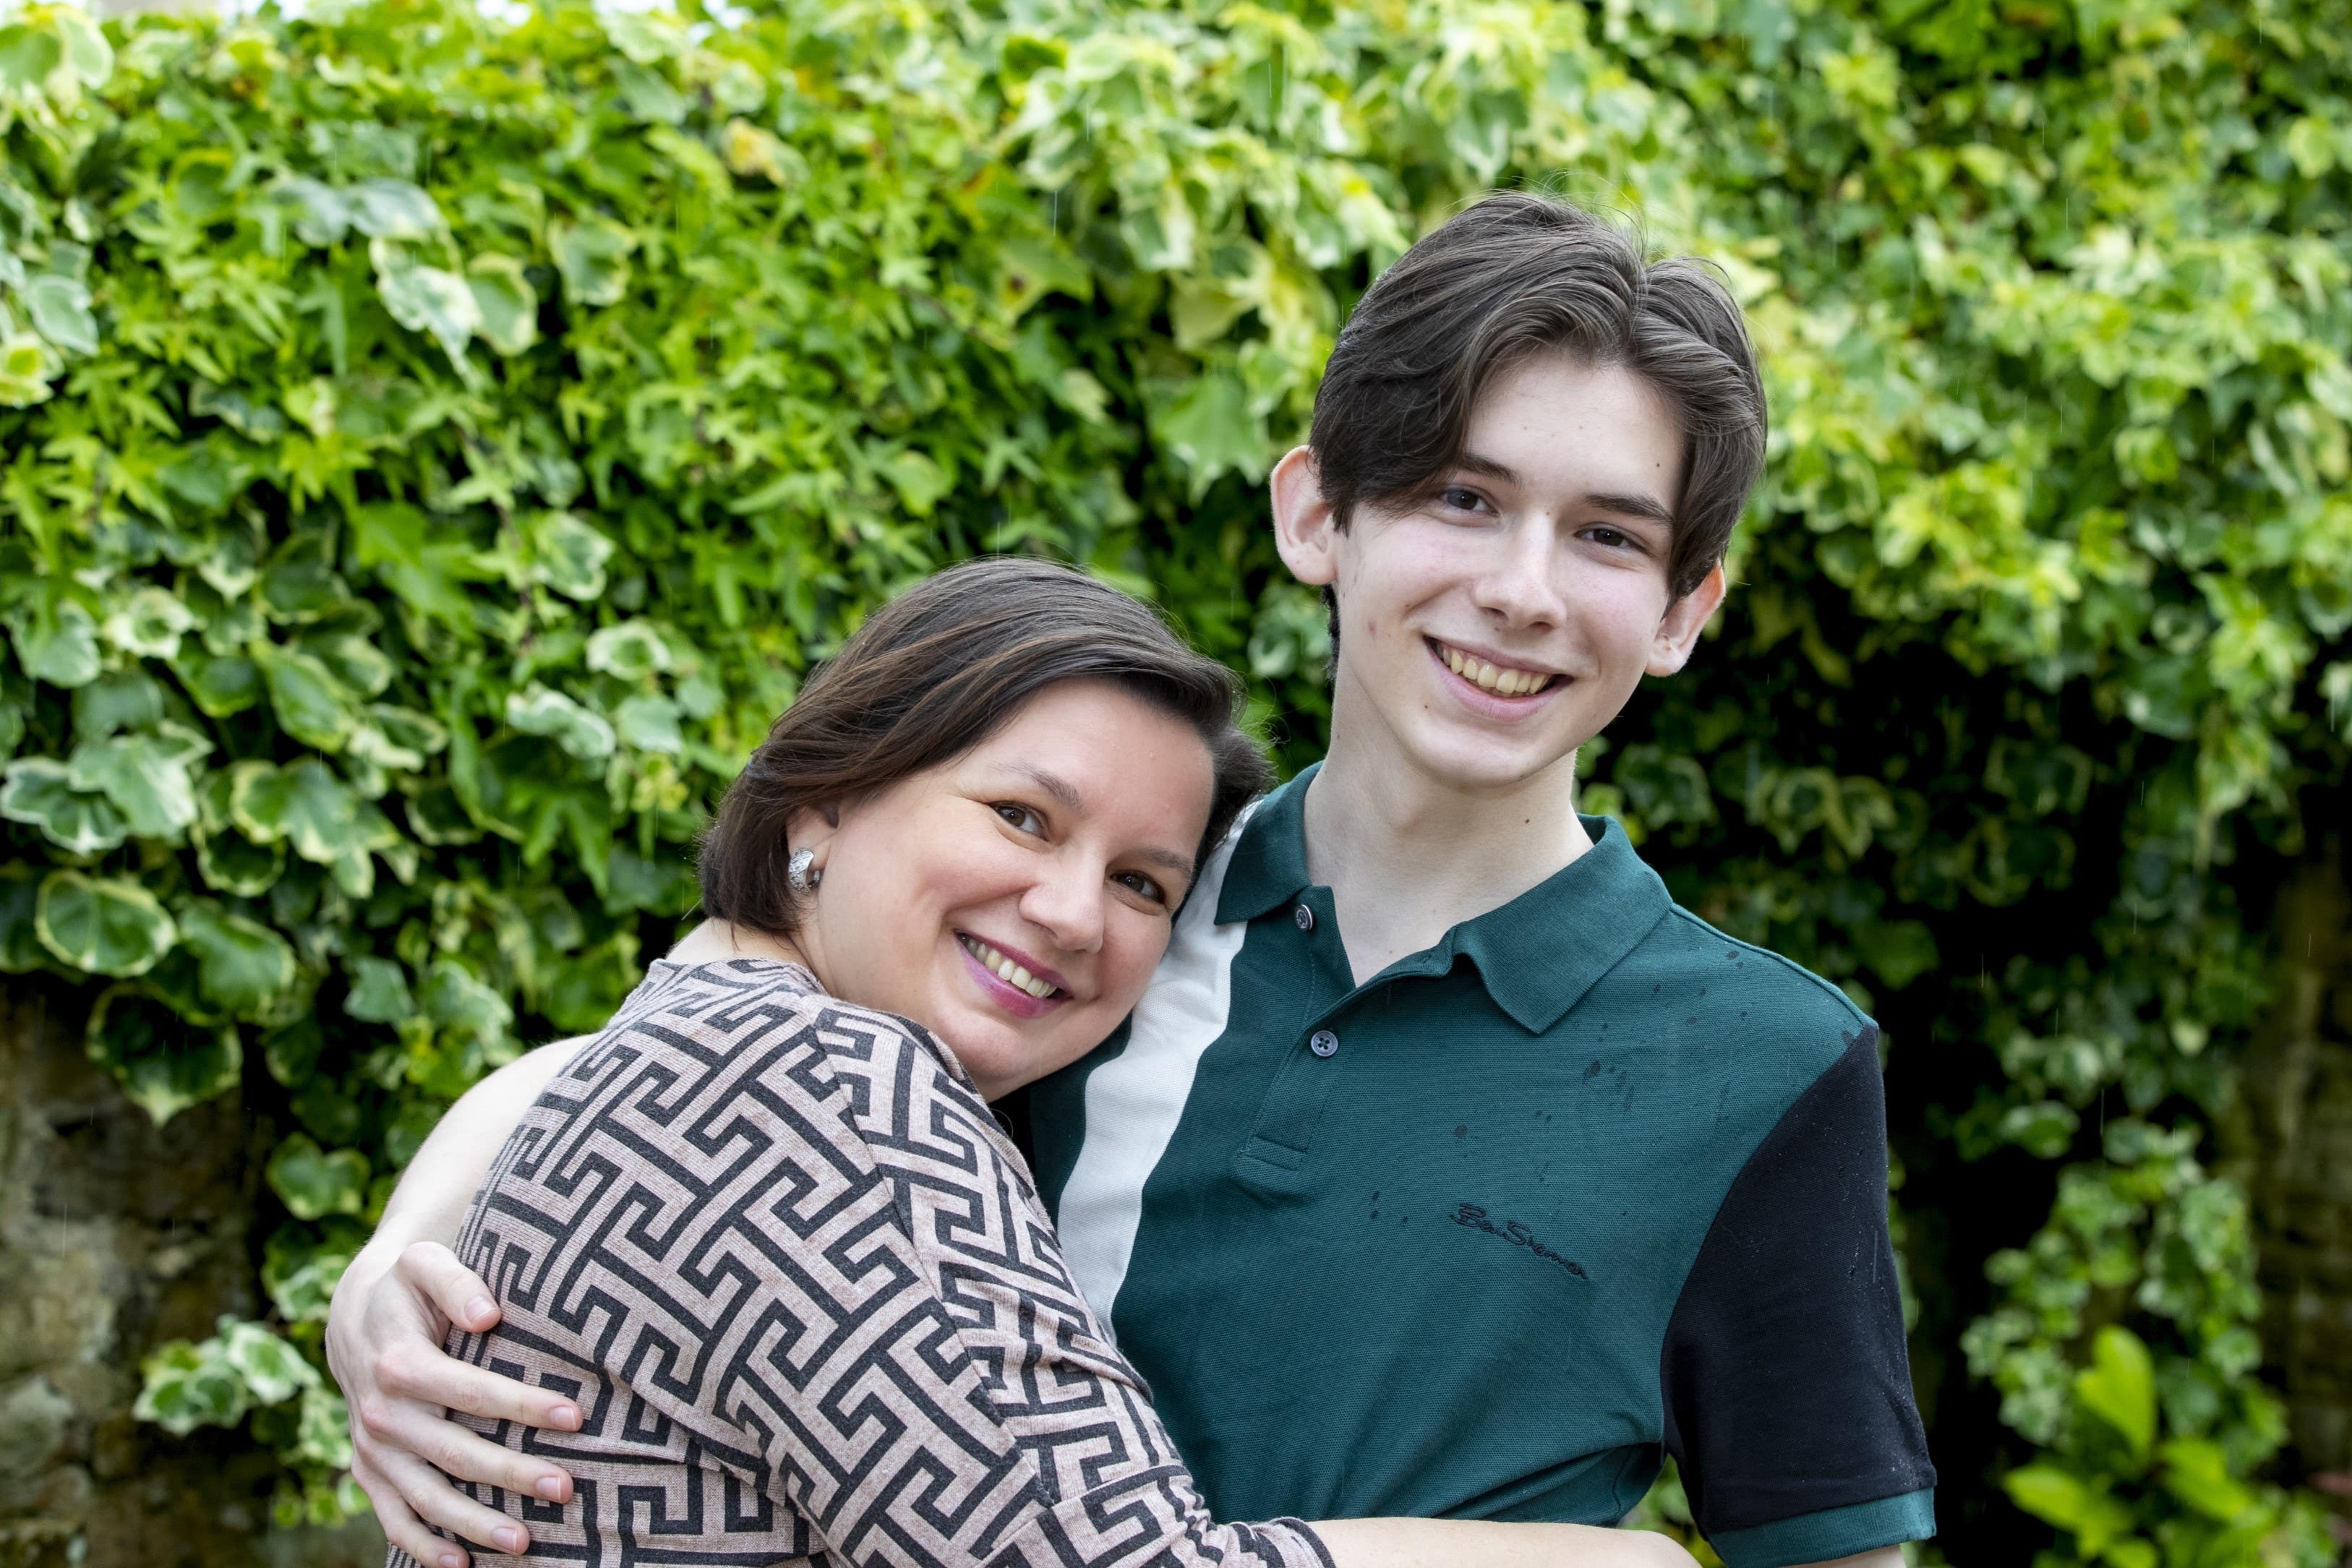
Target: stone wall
x,y
2296,1148
116,1235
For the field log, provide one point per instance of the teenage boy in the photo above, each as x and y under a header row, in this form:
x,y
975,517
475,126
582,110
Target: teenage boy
x,y
1448,1167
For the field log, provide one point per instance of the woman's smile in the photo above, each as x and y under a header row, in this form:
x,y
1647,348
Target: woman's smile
x,y
1011,978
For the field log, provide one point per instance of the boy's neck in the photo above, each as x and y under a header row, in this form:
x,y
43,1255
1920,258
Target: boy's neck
x,y
1408,856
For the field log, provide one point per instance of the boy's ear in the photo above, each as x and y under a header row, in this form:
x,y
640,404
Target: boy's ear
x,y
1685,618
1305,530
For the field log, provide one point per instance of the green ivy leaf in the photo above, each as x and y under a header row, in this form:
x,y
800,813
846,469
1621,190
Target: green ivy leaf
x,y
568,555
305,805
300,1272
243,965
2119,1387
60,308
453,1000
2198,1473
150,623
102,926
322,214
631,650
311,704
1899,950
323,1436
506,307
387,209
536,710
145,777
20,943
230,862
184,1386
1209,429
273,1370
421,562
40,792
164,1063
379,991
57,641
592,255
313,1183
649,724
220,687
427,299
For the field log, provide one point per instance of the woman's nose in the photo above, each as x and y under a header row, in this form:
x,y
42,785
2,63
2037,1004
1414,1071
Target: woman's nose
x,y
1066,902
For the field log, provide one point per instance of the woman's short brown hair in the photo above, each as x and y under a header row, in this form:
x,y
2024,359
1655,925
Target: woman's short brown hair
x,y
931,674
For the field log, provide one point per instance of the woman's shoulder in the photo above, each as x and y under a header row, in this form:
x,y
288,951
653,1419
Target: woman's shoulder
x,y
728,1003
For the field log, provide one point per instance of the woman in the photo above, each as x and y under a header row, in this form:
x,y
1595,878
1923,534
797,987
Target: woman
x,y
761,1236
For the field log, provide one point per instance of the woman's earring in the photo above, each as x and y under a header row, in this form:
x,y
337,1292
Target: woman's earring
x,y
798,875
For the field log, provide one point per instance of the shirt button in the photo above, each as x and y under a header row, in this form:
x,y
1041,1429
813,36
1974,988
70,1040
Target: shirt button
x,y
1305,917
1323,1042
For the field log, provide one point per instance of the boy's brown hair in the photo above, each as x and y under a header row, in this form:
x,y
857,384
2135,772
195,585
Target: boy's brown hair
x,y
1512,276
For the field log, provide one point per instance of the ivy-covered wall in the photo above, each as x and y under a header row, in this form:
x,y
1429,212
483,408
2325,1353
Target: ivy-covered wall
x,y
432,445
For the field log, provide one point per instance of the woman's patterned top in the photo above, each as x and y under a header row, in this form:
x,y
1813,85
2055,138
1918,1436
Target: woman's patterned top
x,y
798,1281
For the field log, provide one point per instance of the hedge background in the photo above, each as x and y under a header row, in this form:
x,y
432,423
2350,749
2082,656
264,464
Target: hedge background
x,y
435,441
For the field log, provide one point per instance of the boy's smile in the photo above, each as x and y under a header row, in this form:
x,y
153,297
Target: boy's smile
x,y
1494,675
1492,625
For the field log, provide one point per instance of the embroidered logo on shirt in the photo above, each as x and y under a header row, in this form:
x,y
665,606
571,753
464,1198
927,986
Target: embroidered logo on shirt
x,y
1517,1234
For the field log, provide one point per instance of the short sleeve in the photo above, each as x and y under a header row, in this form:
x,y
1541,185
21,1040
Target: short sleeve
x,y
1787,1382
925,1383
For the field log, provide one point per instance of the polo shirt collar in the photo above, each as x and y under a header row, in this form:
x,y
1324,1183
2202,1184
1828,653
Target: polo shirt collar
x,y
1536,954
1269,863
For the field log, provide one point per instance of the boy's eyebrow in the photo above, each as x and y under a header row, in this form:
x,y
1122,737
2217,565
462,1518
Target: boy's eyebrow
x,y
1624,505
1647,506
1063,790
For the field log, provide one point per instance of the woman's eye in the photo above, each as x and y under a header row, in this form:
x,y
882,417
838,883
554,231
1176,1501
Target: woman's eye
x,y
1143,884
1021,817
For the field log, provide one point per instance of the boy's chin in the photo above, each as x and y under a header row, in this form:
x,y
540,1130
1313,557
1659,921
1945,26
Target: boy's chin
x,y
1476,763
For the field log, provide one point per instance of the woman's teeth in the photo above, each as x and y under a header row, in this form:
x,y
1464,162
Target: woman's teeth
x,y
1487,677
1005,970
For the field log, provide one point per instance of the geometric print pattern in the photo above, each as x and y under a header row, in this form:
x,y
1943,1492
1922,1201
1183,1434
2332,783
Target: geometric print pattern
x,y
811,1310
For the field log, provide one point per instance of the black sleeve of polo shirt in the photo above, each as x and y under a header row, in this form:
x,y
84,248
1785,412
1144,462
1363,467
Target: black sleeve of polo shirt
x,y
1787,1382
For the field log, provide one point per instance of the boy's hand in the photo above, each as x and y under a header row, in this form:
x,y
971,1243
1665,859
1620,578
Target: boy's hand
x,y
386,1329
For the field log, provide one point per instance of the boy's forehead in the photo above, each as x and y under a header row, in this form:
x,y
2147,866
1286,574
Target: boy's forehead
x,y
1560,423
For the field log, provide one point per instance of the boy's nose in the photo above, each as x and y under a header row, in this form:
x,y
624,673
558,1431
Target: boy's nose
x,y
1516,587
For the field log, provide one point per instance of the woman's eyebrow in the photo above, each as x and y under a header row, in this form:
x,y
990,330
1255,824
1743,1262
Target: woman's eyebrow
x,y
1063,790
1054,784
1168,860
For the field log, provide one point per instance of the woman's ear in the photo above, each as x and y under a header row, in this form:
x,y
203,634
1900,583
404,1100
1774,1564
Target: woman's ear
x,y
1305,530
813,828
1685,618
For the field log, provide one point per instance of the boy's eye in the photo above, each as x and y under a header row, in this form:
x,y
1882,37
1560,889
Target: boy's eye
x,y
1020,816
1614,538
1461,500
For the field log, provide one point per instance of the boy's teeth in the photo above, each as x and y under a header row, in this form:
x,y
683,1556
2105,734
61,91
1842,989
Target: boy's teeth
x,y
1487,677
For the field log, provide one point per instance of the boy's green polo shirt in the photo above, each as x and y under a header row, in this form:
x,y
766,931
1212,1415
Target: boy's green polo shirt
x,y
1586,1183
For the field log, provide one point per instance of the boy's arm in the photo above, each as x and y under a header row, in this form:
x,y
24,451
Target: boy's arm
x,y
391,1316
1788,1383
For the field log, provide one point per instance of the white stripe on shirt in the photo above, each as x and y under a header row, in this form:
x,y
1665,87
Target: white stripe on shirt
x,y
1134,1100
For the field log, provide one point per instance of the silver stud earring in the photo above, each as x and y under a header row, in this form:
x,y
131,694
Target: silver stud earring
x,y
798,875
